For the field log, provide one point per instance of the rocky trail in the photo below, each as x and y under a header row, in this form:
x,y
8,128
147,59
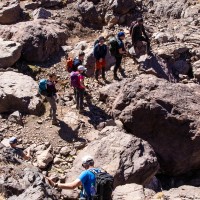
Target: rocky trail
x,y
142,129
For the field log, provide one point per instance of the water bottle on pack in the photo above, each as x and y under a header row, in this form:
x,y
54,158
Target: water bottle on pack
x,y
92,190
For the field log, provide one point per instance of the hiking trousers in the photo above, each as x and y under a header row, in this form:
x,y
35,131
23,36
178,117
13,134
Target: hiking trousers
x,y
142,39
53,107
79,95
117,64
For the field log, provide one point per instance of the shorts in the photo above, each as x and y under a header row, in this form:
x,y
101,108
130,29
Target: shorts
x,y
100,65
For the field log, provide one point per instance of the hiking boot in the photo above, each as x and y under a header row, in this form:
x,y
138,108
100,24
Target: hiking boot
x,y
81,111
116,78
55,123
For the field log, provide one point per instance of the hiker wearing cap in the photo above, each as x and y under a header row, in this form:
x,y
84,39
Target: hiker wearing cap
x,y
138,33
77,81
18,151
120,52
86,179
100,51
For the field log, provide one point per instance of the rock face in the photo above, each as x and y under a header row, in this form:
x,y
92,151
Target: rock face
x,y
39,38
49,3
130,191
127,158
10,52
163,114
14,96
9,11
183,192
41,13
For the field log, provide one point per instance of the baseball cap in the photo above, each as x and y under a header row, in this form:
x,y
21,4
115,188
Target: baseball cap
x,y
13,140
87,159
82,68
120,34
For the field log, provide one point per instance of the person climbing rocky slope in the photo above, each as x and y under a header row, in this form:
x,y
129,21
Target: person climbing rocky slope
x,y
142,129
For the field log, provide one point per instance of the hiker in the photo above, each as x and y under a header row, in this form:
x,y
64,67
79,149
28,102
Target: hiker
x,y
100,51
47,88
77,81
120,51
88,181
138,33
78,61
18,151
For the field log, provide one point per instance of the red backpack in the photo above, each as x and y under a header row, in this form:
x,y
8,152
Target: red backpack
x,y
69,65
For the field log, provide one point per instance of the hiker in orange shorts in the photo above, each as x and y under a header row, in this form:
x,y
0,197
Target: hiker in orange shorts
x,y
100,51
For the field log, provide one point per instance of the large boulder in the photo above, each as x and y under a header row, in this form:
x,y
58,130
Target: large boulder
x,y
10,53
184,192
49,3
122,6
132,191
9,11
171,8
19,92
39,38
20,180
196,69
164,114
126,157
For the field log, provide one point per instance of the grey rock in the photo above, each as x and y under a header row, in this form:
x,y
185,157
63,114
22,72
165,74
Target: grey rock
x,y
10,53
14,96
41,13
16,117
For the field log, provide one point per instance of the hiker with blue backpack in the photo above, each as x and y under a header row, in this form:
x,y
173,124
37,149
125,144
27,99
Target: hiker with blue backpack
x,y
77,82
100,51
47,88
96,183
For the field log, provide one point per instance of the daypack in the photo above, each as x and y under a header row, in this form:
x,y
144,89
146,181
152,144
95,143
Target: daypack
x,y
69,65
103,185
131,27
75,79
43,87
113,46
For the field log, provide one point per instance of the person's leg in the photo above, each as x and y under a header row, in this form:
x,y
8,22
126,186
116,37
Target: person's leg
x,y
97,70
77,99
81,96
117,66
103,73
53,108
147,44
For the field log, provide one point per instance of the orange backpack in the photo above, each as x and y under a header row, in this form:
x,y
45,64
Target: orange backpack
x,y
69,64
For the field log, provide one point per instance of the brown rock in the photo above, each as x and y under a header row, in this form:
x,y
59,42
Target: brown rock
x,y
39,38
165,115
9,11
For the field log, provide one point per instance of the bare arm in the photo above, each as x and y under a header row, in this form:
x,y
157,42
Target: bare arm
x,y
82,83
69,186
121,51
27,156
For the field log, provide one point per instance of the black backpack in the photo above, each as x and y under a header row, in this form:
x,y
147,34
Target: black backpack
x,y
104,185
114,46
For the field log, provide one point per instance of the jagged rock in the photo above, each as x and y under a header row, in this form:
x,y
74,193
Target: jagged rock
x,y
182,67
41,13
14,96
127,158
163,37
184,192
65,151
191,11
16,117
31,5
171,8
9,11
39,38
49,3
132,191
10,53
122,6
196,69
163,114
44,158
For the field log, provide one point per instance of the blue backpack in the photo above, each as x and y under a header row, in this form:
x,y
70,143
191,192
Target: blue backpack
x,y
75,79
43,87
